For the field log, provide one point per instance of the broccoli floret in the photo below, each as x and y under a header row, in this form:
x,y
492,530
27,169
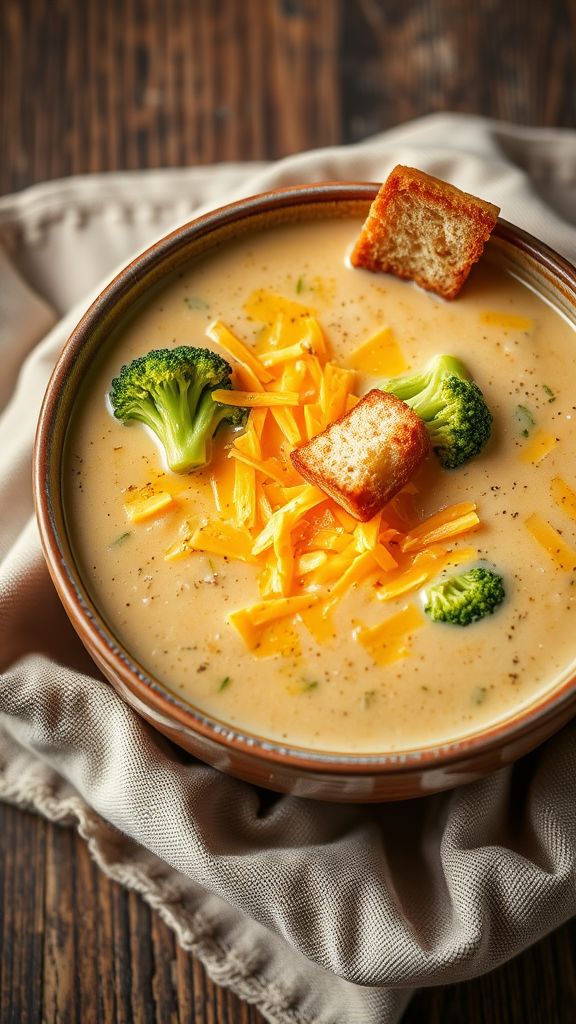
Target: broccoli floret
x,y
465,598
170,390
451,405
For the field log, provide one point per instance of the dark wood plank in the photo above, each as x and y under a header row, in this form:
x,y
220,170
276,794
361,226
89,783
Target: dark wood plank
x,y
23,855
75,946
187,84
60,952
121,84
400,61
248,79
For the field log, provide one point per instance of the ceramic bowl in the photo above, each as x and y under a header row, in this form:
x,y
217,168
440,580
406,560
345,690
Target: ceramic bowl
x,y
273,765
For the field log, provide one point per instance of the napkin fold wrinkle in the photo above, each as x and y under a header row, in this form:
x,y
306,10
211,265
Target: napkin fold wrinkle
x,y
316,913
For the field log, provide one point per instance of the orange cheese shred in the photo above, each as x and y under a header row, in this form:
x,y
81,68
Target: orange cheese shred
x,y
328,540
287,423
244,494
285,517
148,506
380,356
366,535
385,560
314,420
267,306
318,622
309,561
361,567
541,442
553,543
316,338
245,379
218,538
564,496
336,385
249,622
270,468
280,355
221,334
334,568
267,611
507,321
255,399
389,640
411,579
450,522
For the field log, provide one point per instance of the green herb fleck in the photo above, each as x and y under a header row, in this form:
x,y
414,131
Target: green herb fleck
x,y
120,540
300,286
548,391
369,697
479,694
309,684
525,419
193,302
224,684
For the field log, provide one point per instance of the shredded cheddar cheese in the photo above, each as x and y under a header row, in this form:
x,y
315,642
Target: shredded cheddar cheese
x,y
507,321
252,623
218,538
309,553
220,333
270,468
553,543
255,399
285,419
541,442
450,522
389,641
381,356
148,505
564,496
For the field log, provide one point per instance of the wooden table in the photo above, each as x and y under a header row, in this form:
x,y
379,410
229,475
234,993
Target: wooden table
x,y
97,85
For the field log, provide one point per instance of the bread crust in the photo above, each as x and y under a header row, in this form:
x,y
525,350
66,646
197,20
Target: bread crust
x,y
366,456
432,255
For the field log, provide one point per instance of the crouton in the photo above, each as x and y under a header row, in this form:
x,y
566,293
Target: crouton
x,y
426,230
364,458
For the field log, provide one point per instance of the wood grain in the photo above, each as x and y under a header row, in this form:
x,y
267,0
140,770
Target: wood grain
x,y
106,85
514,61
101,85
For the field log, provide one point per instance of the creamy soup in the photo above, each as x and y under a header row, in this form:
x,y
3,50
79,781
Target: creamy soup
x,y
341,683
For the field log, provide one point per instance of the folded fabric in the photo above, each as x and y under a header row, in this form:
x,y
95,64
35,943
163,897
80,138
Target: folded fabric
x,y
313,912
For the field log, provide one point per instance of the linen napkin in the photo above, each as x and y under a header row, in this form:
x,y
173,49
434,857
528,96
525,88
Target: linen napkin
x,y
313,912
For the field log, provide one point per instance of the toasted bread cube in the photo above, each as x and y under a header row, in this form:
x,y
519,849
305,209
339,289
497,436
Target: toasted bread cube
x,y
426,230
364,458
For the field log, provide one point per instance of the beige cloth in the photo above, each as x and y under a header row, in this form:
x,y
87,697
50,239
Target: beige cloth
x,y
316,913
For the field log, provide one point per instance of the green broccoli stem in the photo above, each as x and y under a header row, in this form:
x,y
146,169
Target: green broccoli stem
x,y
187,439
427,400
421,386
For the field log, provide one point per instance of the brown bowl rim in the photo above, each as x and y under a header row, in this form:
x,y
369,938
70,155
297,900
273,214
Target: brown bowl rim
x,y
160,702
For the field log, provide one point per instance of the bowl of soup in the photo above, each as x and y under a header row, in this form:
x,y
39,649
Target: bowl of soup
x,y
299,656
